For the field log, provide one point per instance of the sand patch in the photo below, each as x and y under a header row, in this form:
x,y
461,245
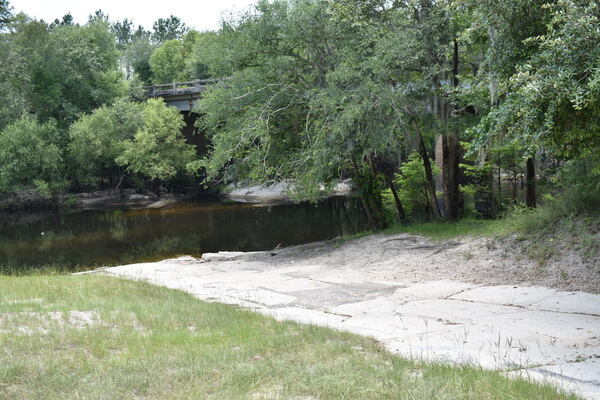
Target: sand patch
x,y
32,323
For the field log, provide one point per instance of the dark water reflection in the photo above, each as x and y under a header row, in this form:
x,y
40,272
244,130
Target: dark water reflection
x,y
90,238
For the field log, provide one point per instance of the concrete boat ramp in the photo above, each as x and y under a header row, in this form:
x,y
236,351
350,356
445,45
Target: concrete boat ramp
x,y
531,331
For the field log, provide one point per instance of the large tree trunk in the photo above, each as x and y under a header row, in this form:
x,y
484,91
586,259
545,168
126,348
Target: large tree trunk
x,y
429,183
450,156
514,178
446,177
401,214
458,205
531,200
450,173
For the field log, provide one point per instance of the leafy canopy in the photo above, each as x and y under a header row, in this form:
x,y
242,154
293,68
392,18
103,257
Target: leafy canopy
x,y
29,155
96,140
158,150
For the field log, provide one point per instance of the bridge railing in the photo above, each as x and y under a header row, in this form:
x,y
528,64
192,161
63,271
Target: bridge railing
x,y
194,86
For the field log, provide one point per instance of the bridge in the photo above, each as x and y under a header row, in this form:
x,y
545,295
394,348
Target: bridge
x,y
180,94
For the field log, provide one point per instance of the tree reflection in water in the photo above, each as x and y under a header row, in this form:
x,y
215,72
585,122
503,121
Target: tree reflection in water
x,y
90,238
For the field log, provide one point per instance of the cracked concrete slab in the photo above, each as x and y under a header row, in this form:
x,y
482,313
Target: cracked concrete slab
x,y
581,377
539,298
531,331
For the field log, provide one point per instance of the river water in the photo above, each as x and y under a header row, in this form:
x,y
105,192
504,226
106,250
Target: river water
x,y
84,239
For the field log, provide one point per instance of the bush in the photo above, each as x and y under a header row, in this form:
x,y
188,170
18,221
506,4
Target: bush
x,y
96,140
579,181
570,217
411,189
28,157
158,150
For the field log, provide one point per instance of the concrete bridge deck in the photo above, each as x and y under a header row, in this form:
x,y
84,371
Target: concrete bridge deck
x,y
180,94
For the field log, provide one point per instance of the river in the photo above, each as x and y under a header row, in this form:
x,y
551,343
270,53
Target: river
x,y
84,239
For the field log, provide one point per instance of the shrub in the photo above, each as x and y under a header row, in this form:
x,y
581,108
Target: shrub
x,y
411,188
28,157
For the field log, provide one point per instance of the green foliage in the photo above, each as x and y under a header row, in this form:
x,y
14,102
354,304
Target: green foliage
x,y
298,105
5,13
565,223
411,187
324,90
578,182
96,140
137,58
168,62
319,91
165,29
29,156
158,150
554,94
257,118
59,72
411,183
482,189
578,198
202,50
71,74
136,89
123,32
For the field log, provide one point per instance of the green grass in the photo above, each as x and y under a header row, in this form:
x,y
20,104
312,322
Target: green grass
x,y
554,217
157,343
548,231
448,230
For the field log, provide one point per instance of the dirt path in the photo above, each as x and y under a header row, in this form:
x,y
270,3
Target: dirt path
x,y
452,301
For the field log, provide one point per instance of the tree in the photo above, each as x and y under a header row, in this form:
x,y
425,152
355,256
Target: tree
x,y
140,32
96,140
558,90
98,16
5,13
414,53
172,60
295,108
551,98
123,32
158,150
137,58
165,29
510,26
61,72
167,63
29,156
197,64
13,76
67,19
